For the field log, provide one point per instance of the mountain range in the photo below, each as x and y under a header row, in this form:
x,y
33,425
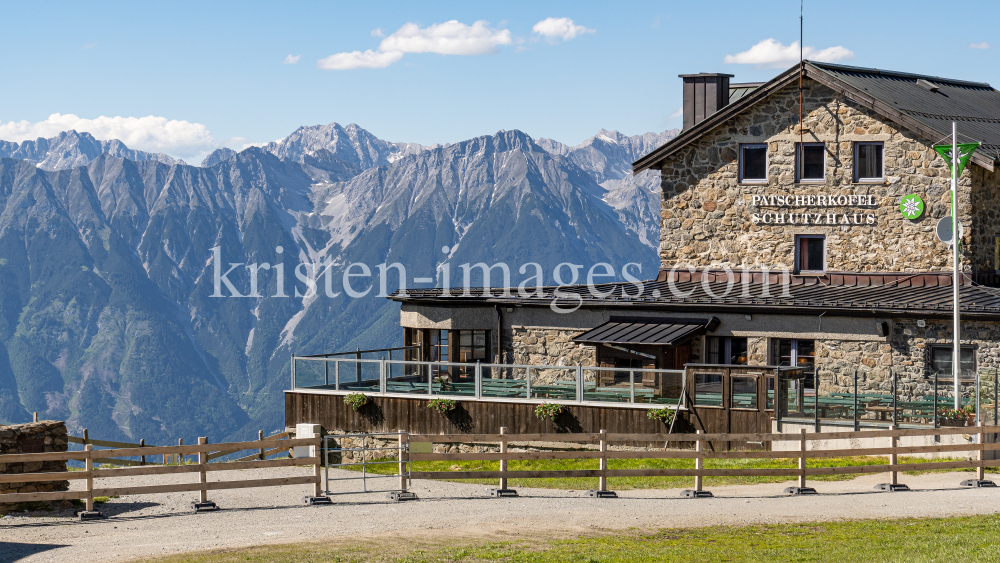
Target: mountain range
x,y
108,256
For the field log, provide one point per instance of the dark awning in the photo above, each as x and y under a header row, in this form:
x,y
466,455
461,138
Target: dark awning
x,y
643,331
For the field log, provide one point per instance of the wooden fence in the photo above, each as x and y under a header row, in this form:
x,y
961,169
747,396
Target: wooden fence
x,y
262,454
203,449
700,453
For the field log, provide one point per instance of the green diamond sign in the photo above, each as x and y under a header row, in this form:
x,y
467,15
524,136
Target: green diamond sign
x,y
965,151
911,206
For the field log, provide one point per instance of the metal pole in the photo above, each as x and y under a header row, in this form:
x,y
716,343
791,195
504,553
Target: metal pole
x,y
631,375
382,376
604,460
479,380
892,456
579,383
503,462
326,373
895,376
527,382
336,375
815,402
956,355
802,460
357,366
935,409
293,371
698,463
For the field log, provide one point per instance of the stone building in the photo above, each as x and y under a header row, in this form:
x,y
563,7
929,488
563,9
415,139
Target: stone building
x,y
784,241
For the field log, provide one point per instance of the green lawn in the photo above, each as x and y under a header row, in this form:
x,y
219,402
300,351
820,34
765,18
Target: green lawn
x,y
625,483
910,540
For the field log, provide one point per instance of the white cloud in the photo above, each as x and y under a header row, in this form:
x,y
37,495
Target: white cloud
x,y
448,38
151,133
559,28
357,59
291,59
983,45
676,114
772,54
90,45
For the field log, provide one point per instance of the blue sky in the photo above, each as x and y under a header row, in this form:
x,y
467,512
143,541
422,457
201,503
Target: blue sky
x,y
218,66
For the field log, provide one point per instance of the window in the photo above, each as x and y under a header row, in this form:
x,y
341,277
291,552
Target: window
x,y
708,389
626,365
753,163
812,162
473,346
810,253
744,392
797,353
868,164
726,350
439,351
941,361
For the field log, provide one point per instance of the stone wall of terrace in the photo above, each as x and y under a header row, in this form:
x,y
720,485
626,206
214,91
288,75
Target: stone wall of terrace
x,y
32,437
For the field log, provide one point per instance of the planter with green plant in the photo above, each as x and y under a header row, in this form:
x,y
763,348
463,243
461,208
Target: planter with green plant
x,y
443,406
664,415
550,411
356,400
953,417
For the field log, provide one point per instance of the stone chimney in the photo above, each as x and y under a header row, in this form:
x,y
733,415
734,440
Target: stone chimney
x,y
704,94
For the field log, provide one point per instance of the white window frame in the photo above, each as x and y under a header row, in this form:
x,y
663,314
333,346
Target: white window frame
x,y
799,163
767,163
857,178
798,252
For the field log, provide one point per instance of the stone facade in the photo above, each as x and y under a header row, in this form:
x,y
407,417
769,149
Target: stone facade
x,y
547,346
34,437
707,214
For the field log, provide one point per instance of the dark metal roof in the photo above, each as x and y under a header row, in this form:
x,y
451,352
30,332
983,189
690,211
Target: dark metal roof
x,y
897,96
867,295
974,105
643,331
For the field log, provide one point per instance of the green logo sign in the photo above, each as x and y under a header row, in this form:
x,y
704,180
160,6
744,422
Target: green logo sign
x,y
965,151
911,206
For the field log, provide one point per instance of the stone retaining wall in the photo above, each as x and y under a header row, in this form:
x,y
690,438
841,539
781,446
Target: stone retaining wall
x,y
33,437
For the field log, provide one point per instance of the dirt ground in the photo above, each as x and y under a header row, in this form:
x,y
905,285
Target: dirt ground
x,y
153,525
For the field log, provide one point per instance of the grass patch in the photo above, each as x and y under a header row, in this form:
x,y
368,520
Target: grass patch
x,y
909,540
625,483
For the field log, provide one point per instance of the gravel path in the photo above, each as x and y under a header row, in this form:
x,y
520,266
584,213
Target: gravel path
x,y
153,525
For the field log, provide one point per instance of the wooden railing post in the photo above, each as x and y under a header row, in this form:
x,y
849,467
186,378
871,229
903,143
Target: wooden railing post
x,y
34,417
893,457
86,436
260,438
404,455
503,462
90,477
180,455
604,460
802,459
698,464
981,470
203,462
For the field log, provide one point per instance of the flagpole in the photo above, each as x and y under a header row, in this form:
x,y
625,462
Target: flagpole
x,y
956,354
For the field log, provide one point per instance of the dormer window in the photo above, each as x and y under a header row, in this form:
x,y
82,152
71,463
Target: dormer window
x,y
753,163
868,162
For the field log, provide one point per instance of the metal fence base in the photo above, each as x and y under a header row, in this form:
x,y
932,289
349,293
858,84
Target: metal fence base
x,y
891,488
204,506
90,515
602,494
311,501
503,492
800,491
689,493
401,496
978,483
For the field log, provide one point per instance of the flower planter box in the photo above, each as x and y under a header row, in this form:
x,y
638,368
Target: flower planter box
x,y
951,422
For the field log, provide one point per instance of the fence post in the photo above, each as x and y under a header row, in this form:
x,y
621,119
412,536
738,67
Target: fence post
x,y
802,459
604,460
203,461
631,397
336,375
893,458
34,417
479,380
293,371
260,438
503,462
90,477
142,444
382,376
856,425
357,366
981,470
699,463
404,454
86,436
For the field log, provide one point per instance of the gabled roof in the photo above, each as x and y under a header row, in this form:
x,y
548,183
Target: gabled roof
x,y
924,104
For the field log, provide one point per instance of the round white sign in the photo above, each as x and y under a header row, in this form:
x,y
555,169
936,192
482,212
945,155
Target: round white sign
x,y
944,229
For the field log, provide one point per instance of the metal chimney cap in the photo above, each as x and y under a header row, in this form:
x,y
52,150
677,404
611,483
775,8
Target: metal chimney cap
x,y
705,75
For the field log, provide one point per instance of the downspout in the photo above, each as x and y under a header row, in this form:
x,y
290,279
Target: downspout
x,y
499,338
